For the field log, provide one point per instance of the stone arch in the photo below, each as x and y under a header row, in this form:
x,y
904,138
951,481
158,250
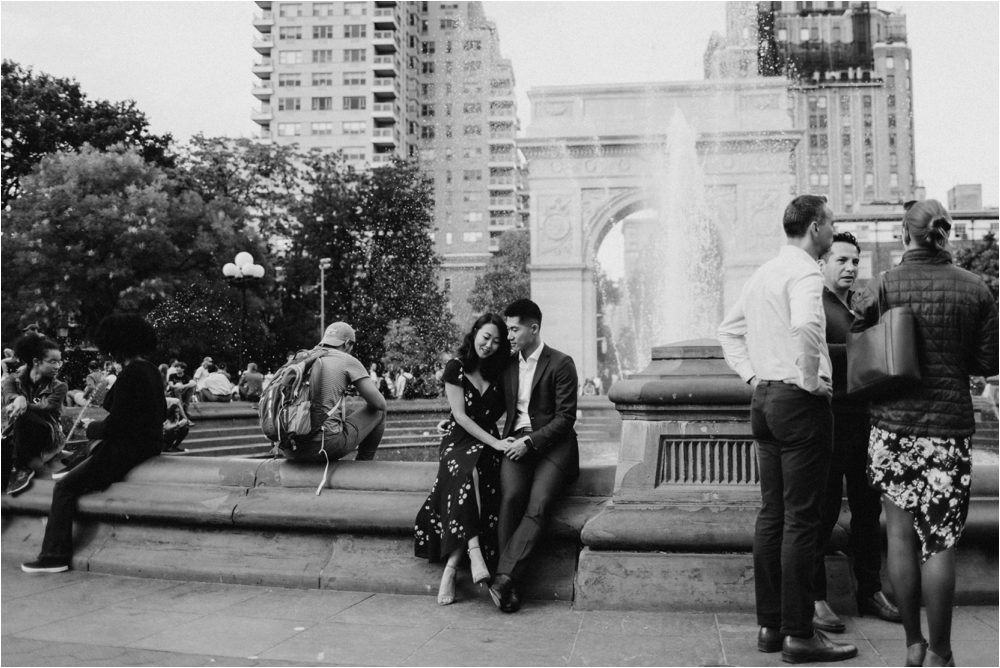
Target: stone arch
x,y
617,206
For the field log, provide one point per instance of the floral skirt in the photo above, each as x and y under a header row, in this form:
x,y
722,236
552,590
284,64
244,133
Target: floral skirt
x,y
928,477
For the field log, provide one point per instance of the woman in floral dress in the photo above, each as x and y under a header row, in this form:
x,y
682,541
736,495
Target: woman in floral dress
x,y
919,451
461,513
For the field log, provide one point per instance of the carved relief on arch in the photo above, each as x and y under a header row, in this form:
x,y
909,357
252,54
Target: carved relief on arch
x,y
556,226
763,211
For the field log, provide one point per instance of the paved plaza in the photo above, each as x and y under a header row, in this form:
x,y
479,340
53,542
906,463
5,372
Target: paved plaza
x,y
80,619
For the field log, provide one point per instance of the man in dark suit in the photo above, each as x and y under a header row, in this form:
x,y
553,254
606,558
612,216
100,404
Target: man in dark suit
x,y
540,384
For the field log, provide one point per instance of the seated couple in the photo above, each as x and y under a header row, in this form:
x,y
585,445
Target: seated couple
x,y
513,476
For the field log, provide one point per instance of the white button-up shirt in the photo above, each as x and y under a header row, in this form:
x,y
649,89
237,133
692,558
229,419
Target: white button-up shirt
x,y
525,377
777,329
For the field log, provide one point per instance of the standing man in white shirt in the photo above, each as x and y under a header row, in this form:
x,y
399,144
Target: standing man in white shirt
x,y
540,388
775,339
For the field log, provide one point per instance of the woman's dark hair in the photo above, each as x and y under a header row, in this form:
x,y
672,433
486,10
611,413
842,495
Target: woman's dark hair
x,y
490,367
122,335
928,224
33,346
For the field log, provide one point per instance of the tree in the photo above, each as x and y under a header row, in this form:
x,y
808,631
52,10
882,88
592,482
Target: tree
x,y
981,257
374,226
41,115
405,350
95,232
506,277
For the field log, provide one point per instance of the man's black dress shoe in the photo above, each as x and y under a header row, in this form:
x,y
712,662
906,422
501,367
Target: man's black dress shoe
x,y
513,601
815,649
769,640
500,590
826,619
879,606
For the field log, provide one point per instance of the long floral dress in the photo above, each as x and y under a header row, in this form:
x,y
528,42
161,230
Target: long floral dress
x,y
450,515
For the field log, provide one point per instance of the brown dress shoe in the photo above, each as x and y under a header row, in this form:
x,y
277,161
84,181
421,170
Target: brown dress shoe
x,y
769,640
826,619
815,649
879,606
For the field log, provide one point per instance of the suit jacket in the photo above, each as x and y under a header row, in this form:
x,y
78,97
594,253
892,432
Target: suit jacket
x,y
551,408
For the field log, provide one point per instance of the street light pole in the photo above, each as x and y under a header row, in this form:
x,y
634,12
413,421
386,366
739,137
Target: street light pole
x,y
240,271
324,264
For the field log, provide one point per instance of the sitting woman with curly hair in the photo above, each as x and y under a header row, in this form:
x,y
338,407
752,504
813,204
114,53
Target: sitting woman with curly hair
x,y
131,434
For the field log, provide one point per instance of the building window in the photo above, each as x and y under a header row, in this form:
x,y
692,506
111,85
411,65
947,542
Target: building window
x,y
472,175
782,35
289,104
472,107
848,179
290,32
322,55
893,180
427,89
813,179
472,237
355,55
824,179
355,8
322,79
845,140
447,238
427,48
355,31
891,101
447,109
804,34
289,57
354,78
893,160
447,47
289,129
427,132
892,141
321,128
869,180
448,153
890,82
354,127
473,217
447,176
866,101
470,197
447,284
427,67
890,62
288,80
322,32
427,110
322,103
354,152
446,24
835,34
868,120
845,104
472,66
447,66
290,9
472,45
472,130
354,102
892,120
324,8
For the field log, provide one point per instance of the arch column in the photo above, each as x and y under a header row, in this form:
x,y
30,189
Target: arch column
x,y
568,299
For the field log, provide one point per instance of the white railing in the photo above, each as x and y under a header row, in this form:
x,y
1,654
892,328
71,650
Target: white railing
x,y
264,62
385,81
385,13
379,158
385,34
263,40
383,107
502,201
263,17
385,60
387,133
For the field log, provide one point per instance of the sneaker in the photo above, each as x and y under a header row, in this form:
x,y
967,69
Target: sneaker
x,y
45,566
20,481
61,474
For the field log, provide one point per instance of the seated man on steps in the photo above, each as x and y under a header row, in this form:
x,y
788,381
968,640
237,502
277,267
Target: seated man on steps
x,y
337,435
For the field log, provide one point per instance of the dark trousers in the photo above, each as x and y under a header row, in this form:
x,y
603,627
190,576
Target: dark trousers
x,y
362,431
794,431
107,464
32,435
528,489
174,436
850,461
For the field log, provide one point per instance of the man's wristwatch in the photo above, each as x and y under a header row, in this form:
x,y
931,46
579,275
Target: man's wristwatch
x,y
529,442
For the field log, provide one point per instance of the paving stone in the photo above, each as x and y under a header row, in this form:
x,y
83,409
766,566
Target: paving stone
x,y
600,649
115,626
485,647
400,610
535,617
303,604
17,583
354,644
196,597
648,623
104,590
224,635
21,614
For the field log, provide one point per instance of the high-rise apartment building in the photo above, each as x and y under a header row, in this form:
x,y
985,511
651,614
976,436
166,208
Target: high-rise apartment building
x,y
848,66
414,79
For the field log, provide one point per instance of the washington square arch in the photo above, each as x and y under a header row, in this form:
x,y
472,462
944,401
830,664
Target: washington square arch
x,y
590,152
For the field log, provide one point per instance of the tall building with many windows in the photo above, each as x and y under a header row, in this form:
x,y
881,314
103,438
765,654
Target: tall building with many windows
x,y
848,66
413,79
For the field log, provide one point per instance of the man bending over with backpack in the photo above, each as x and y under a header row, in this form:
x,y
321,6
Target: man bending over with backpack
x,y
335,433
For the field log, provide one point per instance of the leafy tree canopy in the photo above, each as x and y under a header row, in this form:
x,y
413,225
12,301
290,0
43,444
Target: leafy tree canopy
x,y
982,258
41,114
95,232
506,277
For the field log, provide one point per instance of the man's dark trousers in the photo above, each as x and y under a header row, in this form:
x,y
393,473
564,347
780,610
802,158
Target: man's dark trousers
x,y
530,486
794,434
850,461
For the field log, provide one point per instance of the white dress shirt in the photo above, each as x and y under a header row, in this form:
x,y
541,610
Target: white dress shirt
x,y
525,377
777,329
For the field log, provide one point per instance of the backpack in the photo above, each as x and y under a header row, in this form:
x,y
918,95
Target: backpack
x,y
285,406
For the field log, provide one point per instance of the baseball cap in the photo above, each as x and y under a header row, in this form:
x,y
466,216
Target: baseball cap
x,y
337,334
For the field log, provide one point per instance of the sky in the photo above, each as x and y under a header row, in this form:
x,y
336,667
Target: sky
x,y
187,64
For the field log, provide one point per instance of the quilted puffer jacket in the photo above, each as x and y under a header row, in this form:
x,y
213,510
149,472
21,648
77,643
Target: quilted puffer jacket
x,y
956,331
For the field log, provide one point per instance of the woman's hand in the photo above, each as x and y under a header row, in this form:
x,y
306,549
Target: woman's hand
x,y
501,445
18,406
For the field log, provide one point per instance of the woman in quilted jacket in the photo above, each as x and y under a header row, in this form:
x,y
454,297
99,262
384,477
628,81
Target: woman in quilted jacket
x,y
919,451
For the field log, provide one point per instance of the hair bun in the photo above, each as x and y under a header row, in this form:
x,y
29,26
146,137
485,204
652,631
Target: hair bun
x,y
941,223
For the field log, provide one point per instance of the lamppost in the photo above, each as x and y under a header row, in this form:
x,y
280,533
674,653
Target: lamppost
x,y
324,264
240,272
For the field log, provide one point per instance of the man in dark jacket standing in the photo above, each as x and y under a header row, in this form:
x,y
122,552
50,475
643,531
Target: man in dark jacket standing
x,y
851,425
540,384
